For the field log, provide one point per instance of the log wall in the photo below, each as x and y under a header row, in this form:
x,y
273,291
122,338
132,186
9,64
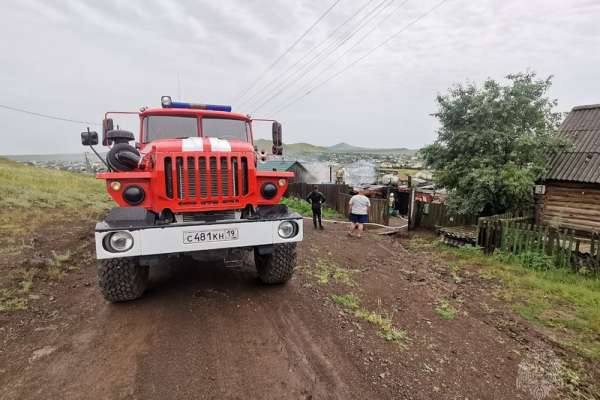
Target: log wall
x,y
573,206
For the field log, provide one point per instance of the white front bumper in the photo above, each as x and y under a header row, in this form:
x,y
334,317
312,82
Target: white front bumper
x,y
170,239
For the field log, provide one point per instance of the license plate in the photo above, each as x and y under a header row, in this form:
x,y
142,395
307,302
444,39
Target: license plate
x,y
217,235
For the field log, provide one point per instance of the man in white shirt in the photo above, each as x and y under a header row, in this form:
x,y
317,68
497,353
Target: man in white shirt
x,y
359,212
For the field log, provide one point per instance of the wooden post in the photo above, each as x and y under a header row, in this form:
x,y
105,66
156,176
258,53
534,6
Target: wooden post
x,y
412,205
571,255
488,237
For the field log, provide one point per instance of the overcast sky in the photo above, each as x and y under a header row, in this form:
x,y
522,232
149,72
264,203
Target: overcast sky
x,y
78,59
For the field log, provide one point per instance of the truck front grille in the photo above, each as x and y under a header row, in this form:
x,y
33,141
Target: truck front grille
x,y
206,179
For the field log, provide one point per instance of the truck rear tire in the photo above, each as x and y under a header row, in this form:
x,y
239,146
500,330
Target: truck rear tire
x,y
122,279
277,267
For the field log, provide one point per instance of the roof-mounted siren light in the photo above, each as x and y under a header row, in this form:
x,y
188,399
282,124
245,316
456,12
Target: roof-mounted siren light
x,y
167,102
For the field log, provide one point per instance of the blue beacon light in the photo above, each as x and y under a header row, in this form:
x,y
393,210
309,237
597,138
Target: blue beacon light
x,y
168,103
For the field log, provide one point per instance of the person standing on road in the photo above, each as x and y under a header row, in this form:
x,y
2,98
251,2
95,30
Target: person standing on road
x,y
359,213
316,199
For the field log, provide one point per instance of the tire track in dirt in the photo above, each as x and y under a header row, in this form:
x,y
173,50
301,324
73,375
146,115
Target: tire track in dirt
x,y
222,335
94,358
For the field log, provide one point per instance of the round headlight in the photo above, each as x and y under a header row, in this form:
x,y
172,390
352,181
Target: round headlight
x,y
120,242
115,185
282,182
268,190
134,195
287,229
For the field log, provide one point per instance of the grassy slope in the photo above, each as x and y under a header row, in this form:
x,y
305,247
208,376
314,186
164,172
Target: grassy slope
x,y
33,196
40,203
563,304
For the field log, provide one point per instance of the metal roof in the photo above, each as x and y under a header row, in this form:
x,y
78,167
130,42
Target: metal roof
x,y
277,165
582,162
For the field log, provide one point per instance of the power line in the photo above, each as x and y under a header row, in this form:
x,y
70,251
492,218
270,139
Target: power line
x,y
341,56
360,40
262,75
301,58
37,114
357,60
331,49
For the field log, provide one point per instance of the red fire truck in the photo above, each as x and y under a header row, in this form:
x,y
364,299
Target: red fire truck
x,y
190,186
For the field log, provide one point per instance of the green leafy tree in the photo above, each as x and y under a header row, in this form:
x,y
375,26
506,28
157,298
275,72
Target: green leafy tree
x,y
493,143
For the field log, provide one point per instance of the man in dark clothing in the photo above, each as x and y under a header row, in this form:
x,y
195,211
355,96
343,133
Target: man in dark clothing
x,y
316,199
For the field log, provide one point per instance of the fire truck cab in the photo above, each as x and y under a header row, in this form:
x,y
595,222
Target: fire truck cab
x,y
190,186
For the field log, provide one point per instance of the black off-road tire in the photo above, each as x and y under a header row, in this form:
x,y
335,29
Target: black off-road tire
x,y
277,267
122,279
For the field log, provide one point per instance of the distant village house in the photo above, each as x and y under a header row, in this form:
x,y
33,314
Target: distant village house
x,y
301,173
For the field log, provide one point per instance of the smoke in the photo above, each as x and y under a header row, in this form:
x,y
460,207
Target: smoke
x,y
355,173
319,171
360,172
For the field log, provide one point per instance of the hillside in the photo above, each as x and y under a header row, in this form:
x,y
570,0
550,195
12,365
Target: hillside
x,y
306,148
344,147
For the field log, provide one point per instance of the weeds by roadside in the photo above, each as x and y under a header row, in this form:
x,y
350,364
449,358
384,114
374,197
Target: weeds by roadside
x,y
382,321
325,271
565,304
445,310
302,207
10,300
56,267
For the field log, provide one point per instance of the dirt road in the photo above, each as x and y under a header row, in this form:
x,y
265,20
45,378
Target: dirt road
x,y
211,331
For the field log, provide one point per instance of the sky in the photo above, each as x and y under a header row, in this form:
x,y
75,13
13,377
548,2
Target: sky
x,y
371,68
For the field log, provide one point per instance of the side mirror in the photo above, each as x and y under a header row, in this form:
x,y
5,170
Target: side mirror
x,y
107,125
277,141
89,138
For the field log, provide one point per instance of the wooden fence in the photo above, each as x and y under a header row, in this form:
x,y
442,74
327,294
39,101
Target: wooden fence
x,y
378,213
434,215
330,191
520,235
337,197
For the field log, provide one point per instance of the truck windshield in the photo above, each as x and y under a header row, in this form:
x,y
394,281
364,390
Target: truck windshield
x,y
169,127
225,128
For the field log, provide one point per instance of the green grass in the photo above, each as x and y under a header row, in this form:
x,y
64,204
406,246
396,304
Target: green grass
x,y
303,208
33,196
566,305
56,265
26,187
348,301
382,321
32,200
445,310
10,300
325,271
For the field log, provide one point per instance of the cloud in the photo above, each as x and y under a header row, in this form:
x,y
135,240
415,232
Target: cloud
x,y
80,58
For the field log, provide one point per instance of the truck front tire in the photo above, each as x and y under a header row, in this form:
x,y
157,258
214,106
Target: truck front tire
x,y
277,267
122,279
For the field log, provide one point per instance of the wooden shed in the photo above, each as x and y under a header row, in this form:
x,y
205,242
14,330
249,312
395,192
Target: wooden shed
x,y
301,173
569,195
